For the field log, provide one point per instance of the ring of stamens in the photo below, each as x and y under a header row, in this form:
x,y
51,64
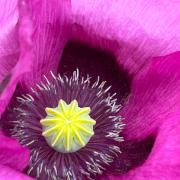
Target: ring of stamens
x,y
96,156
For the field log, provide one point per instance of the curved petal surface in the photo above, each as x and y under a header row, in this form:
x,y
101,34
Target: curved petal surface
x,y
155,97
9,47
153,109
164,160
12,154
43,31
24,62
133,30
50,31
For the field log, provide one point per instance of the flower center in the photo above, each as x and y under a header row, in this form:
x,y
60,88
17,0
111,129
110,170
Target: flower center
x,y
67,128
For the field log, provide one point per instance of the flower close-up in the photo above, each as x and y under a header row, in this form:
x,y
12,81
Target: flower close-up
x,y
89,90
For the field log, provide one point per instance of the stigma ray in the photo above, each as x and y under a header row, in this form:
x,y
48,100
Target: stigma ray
x,y
62,129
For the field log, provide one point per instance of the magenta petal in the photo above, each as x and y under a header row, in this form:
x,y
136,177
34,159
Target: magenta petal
x,y
43,32
6,173
24,62
133,30
164,160
9,47
50,31
155,97
12,154
153,109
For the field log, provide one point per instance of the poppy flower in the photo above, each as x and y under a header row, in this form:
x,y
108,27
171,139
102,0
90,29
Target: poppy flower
x,y
59,117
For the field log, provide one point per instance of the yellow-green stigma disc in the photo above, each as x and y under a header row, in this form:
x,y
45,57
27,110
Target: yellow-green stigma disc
x,y
67,128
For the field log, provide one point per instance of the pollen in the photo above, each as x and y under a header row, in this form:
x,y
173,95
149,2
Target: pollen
x,y
68,127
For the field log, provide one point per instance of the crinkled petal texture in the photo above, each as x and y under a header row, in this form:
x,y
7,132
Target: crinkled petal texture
x,y
13,158
42,33
50,32
22,64
9,47
133,30
155,97
153,109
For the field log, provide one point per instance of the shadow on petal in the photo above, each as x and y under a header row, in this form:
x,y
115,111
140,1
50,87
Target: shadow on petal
x,y
96,62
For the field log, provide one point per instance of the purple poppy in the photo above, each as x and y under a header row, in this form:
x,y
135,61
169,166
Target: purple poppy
x,y
131,45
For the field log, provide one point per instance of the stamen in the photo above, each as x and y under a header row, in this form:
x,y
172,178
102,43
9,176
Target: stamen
x,y
71,126
67,128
